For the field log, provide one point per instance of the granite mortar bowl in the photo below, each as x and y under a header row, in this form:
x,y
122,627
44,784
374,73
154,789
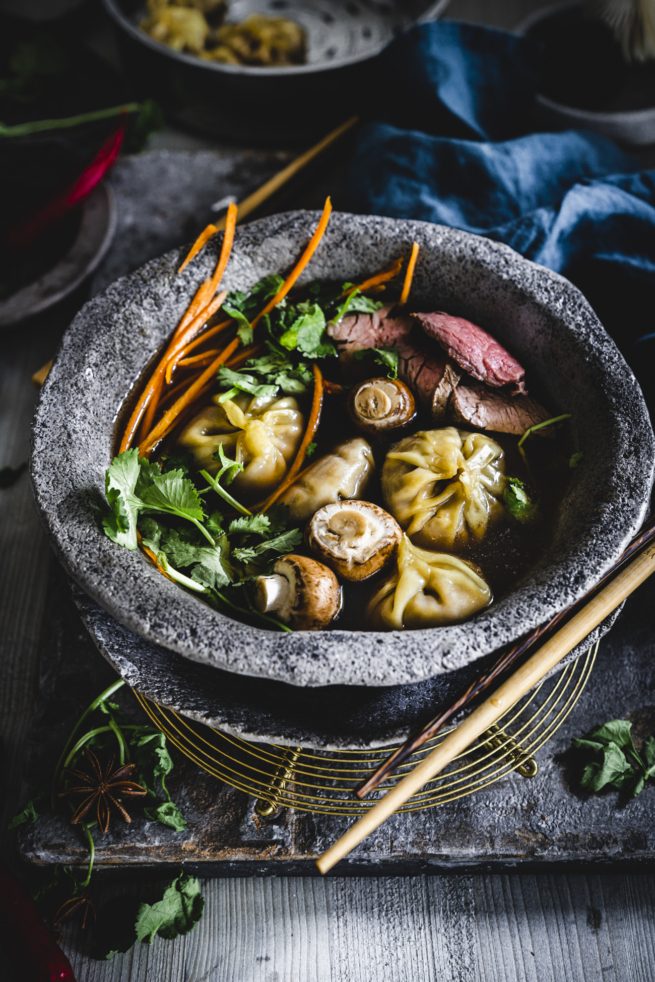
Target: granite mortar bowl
x,y
541,317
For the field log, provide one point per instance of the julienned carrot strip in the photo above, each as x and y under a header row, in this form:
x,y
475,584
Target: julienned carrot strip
x,y
205,356
378,278
310,432
409,274
207,233
174,360
226,246
167,421
152,389
309,251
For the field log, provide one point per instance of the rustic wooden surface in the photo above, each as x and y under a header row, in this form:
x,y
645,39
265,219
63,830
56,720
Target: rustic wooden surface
x,y
509,927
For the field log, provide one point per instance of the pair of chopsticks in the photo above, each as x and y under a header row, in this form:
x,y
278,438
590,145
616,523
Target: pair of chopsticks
x,y
634,567
261,195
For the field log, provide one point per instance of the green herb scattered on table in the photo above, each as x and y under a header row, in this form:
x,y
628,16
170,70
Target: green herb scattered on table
x,y
613,761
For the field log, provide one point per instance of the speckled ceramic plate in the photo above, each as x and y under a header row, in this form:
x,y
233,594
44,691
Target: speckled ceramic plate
x,y
541,317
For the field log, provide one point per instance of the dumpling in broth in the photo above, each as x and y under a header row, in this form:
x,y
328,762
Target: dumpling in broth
x,y
445,486
342,473
427,589
260,432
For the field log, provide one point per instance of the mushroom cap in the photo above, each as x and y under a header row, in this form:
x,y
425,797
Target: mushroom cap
x,y
355,538
314,597
381,404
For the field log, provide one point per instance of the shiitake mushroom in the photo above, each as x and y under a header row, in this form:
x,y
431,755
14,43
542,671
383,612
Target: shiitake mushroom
x,y
381,405
355,538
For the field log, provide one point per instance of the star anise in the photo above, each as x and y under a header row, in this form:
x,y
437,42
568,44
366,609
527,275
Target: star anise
x,y
104,787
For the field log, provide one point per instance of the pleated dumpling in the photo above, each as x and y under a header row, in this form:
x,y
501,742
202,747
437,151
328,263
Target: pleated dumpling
x,y
427,589
342,473
261,432
445,486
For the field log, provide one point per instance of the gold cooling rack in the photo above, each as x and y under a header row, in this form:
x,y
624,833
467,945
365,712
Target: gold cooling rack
x,y
323,782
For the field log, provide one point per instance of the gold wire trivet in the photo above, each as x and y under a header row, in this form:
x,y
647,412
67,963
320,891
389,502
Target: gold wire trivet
x,y
323,782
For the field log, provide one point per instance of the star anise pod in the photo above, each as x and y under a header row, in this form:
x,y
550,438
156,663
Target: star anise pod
x,y
104,788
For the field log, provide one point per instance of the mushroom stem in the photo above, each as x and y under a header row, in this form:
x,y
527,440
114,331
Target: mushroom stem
x,y
272,593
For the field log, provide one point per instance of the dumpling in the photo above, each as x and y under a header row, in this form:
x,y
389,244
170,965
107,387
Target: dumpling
x,y
427,589
343,473
261,432
445,486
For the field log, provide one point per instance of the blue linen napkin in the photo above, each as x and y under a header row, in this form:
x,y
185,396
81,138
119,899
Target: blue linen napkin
x,y
450,139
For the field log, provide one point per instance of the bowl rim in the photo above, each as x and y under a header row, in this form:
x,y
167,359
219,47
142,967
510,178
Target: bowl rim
x,y
256,71
162,612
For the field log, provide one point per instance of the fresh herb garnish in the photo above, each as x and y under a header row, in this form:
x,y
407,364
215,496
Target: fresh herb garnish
x,y
236,382
178,911
519,502
387,357
284,542
613,760
311,449
134,486
537,428
243,306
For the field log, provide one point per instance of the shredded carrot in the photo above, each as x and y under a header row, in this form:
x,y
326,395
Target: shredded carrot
x,y
226,246
312,425
166,423
250,352
378,278
200,243
309,251
409,274
150,395
174,359
204,356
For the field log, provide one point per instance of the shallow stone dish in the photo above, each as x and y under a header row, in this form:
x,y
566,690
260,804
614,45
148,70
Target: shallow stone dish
x,y
541,317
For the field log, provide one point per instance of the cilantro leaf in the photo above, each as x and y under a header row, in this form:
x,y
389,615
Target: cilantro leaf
x,y
207,565
242,306
250,524
387,357
173,494
277,368
518,501
242,382
120,491
167,813
280,544
178,911
154,762
306,332
615,761
26,816
229,467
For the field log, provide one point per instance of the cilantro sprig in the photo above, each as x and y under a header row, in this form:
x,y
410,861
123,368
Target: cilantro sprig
x,y
613,761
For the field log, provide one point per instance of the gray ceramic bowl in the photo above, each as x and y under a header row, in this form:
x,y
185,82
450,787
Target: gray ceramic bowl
x,y
544,320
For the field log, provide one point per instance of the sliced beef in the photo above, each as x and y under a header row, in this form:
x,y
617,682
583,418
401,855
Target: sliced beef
x,y
422,365
474,350
487,409
380,329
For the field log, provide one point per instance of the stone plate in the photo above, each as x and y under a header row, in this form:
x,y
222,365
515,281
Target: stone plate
x,y
541,317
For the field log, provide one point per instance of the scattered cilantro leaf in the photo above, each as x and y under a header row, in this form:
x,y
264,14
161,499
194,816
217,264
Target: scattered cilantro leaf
x,y
614,760
311,449
242,306
178,911
250,524
306,332
277,368
26,816
120,484
229,467
167,813
518,501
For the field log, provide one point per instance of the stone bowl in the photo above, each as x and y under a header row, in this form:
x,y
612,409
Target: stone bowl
x,y
541,317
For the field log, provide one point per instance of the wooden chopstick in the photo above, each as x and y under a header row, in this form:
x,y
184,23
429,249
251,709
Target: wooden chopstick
x,y
258,197
479,685
532,671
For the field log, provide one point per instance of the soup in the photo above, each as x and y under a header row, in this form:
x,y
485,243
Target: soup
x,y
330,457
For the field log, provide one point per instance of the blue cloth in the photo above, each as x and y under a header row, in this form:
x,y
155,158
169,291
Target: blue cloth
x,y
456,145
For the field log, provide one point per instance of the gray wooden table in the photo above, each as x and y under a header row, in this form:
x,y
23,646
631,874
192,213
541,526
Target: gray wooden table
x,y
538,926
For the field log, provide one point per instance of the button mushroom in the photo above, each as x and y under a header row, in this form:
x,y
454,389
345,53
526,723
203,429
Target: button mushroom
x,y
300,591
380,405
355,538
